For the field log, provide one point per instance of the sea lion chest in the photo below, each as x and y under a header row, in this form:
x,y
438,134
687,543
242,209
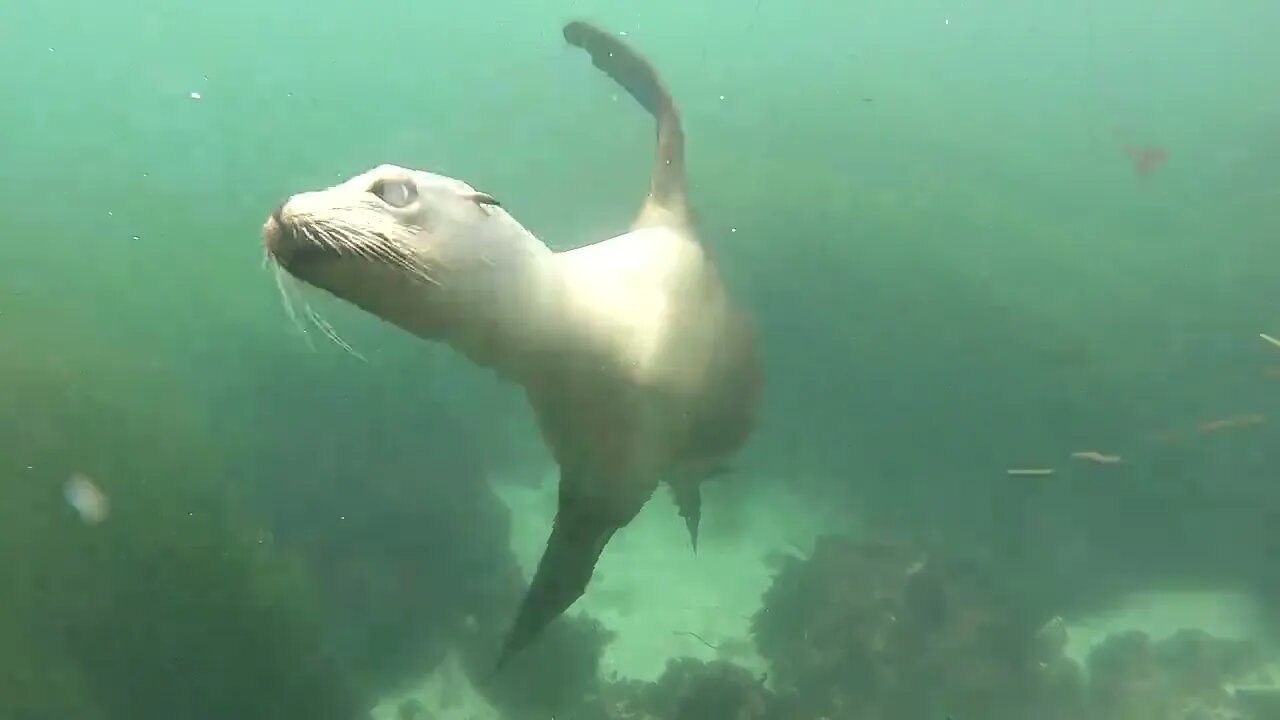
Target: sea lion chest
x,y
650,332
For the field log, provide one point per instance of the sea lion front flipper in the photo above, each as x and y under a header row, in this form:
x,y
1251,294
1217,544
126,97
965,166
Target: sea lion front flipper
x,y
578,536
668,187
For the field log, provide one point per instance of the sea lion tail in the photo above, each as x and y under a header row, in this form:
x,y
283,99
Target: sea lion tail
x,y
668,188
578,536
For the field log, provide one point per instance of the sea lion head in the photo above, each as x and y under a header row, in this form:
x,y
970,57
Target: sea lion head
x,y
426,252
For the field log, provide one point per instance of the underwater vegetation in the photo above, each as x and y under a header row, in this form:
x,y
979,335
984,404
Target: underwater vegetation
x,y
882,630
391,511
155,597
879,630
555,677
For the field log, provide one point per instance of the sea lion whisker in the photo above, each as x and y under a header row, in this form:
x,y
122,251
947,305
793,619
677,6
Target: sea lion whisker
x,y
337,241
322,233
332,334
374,245
351,244
377,246
288,305
316,236
396,253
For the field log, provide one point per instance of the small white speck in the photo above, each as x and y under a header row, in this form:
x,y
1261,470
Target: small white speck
x,y
196,96
946,21
51,50
721,97
733,230
623,33
110,214
136,237
342,517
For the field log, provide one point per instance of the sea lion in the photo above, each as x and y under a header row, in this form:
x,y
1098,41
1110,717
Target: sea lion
x,y
638,365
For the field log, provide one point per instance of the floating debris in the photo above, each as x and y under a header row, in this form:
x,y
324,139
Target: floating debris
x,y
1146,159
1235,421
1269,339
1033,472
1095,456
89,502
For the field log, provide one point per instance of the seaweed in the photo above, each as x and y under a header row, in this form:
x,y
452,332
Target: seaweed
x,y
176,604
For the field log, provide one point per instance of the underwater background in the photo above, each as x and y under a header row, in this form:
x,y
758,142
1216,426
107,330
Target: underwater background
x,y
1014,271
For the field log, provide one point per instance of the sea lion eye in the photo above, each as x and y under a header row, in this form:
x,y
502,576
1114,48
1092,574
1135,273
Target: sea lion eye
x,y
396,193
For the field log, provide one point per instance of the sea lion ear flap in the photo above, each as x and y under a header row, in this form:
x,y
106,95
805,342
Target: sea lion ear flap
x,y
484,199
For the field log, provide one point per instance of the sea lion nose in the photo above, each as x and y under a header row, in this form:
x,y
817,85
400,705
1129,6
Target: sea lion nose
x,y
276,235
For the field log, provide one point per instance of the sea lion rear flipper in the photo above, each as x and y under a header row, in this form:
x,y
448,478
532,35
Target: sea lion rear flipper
x,y
688,497
578,536
668,187
687,492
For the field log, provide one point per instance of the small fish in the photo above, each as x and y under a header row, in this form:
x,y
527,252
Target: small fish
x,y
89,502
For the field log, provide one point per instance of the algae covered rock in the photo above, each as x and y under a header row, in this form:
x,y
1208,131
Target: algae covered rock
x,y
1190,674
159,601
888,630
690,689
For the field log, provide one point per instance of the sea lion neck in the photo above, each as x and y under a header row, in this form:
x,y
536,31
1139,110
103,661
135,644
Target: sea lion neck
x,y
507,312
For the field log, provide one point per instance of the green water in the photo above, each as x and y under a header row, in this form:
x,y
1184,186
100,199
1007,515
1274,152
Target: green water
x,y
928,207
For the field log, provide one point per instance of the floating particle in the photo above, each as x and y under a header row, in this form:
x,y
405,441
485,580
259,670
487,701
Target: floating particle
x,y
1034,472
1235,421
1146,159
1095,456
196,96
89,502
1269,339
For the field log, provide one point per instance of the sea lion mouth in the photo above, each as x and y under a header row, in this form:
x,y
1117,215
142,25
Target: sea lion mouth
x,y
295,242
292,246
